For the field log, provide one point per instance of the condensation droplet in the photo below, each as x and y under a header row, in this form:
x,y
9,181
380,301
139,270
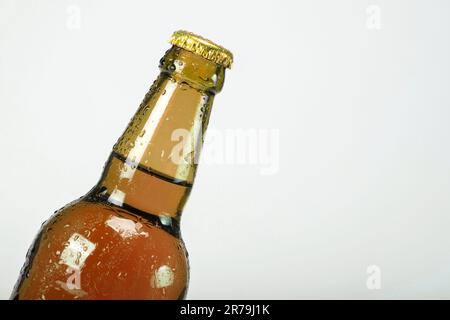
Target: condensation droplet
x,y
184,86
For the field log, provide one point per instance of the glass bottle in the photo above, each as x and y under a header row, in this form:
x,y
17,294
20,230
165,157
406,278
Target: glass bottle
x,y
122,239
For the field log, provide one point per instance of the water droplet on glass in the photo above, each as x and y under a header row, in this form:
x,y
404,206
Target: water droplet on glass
x,y
165,220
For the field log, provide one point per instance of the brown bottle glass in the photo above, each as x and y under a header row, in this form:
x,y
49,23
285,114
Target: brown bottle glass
x,y
122,239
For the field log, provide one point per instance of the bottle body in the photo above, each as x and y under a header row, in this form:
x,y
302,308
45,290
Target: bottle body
x,y
94,250
122,240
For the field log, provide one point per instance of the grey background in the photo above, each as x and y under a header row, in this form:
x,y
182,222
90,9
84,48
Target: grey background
x,y
363,116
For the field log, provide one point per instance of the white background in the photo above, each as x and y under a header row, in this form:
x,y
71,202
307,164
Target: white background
x,y
363,115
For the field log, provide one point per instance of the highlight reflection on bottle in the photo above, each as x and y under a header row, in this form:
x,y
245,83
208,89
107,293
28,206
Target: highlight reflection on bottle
x,y
122,239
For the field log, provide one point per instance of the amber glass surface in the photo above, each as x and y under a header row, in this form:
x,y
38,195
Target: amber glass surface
x,y
122,240
132,258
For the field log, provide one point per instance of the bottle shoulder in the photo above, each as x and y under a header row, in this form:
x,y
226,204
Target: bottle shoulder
x,y
89,211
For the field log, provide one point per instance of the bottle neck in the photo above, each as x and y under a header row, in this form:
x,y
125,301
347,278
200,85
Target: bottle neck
x,y
166,133
153,164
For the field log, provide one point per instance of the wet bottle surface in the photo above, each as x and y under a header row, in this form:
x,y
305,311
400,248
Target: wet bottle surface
x,y
122,239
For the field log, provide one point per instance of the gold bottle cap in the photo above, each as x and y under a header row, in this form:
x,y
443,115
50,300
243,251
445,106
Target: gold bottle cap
x,y
201,46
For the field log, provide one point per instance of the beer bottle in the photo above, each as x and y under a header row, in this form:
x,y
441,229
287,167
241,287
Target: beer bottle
x,y
122,239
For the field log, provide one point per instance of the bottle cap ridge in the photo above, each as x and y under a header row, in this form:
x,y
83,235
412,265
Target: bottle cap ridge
x,y
203,47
